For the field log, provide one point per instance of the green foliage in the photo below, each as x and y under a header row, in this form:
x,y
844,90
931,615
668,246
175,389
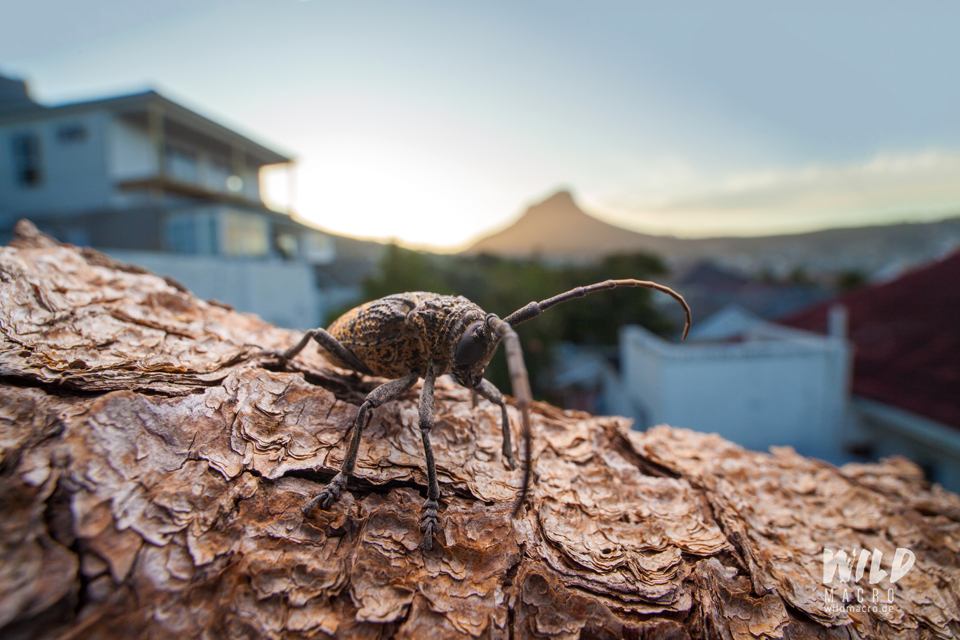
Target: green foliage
x,y
598,319
502,286
850,280
767,276
799,276
403,270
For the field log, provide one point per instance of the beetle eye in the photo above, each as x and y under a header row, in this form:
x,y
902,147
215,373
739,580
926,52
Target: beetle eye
x,y
471,346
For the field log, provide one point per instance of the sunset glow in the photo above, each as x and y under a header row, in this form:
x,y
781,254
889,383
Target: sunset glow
x,y
432,123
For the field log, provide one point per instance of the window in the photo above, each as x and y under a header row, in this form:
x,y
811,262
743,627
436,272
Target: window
x,y
243,234
70,133
318,248
26,159
286,244
191,232
218,174
181,163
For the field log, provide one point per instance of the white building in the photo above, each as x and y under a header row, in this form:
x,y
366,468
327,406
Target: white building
x,y
753,382
892,431
154,183
906,373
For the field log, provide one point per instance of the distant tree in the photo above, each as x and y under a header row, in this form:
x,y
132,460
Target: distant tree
x,y
799,276
850,280
597,320
403,270
502,285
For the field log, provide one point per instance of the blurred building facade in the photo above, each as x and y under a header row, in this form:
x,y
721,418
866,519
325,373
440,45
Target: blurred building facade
x,y
906,370
753,382
149,181
870,374
708,287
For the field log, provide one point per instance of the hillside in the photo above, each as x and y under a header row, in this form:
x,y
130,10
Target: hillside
x,y
558,229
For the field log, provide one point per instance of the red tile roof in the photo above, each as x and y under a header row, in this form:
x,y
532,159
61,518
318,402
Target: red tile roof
x,y
907,338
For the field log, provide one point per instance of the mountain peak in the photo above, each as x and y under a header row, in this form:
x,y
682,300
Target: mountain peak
x,y
558,228
560,196
559,206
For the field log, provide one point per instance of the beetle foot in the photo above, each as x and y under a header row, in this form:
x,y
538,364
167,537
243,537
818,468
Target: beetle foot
x,y
429,524
508,459
269,353
328,496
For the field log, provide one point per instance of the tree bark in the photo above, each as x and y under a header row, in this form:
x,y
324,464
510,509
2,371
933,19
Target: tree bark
x,y
152,470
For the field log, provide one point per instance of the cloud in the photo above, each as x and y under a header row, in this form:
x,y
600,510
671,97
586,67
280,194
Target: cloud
x,y
886,188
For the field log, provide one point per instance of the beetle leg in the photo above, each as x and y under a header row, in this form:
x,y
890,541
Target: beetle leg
x,y
430,520
379,396
520,382
330,344
491,393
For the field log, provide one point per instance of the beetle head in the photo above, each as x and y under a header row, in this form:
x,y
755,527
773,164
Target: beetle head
x,y
475,341
472,351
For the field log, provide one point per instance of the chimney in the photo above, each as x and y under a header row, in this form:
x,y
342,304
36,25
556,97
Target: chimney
x,y
15,96
837,321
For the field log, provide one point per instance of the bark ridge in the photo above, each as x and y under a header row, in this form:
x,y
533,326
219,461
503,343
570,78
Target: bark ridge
x,y
152,471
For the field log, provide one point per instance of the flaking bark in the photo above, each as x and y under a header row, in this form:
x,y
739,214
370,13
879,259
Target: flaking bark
x,y
152,473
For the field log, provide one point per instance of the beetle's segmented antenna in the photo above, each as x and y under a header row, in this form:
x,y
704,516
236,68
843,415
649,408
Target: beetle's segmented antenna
x,y
521,391
534,309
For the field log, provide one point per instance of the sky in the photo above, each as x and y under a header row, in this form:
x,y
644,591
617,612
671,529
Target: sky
x,y
433,122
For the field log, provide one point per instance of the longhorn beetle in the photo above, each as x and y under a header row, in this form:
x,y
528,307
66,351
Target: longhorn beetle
x,y
408,336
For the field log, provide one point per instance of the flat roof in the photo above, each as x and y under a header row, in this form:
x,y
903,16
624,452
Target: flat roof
x,y
134,103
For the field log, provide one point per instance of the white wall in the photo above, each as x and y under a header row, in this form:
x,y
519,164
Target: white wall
x,y
758,393
74,172
130,155
283,293
82,175
892,431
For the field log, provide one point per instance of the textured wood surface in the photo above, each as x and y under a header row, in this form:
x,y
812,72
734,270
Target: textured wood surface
x,y
151,474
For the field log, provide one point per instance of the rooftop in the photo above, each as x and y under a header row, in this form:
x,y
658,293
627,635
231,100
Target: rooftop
x,y
906,334
134,107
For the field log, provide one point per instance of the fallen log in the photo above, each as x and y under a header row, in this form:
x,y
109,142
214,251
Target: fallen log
x,y
152,470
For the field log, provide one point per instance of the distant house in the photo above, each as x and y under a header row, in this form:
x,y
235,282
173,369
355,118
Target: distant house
x,y
906,372
709,288
586,378
152,182
753,382
870,374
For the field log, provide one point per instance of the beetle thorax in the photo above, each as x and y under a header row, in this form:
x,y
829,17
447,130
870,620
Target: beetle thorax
x,y
440,322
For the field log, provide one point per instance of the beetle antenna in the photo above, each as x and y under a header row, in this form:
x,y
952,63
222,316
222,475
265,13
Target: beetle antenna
x,y
534,309
521,391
